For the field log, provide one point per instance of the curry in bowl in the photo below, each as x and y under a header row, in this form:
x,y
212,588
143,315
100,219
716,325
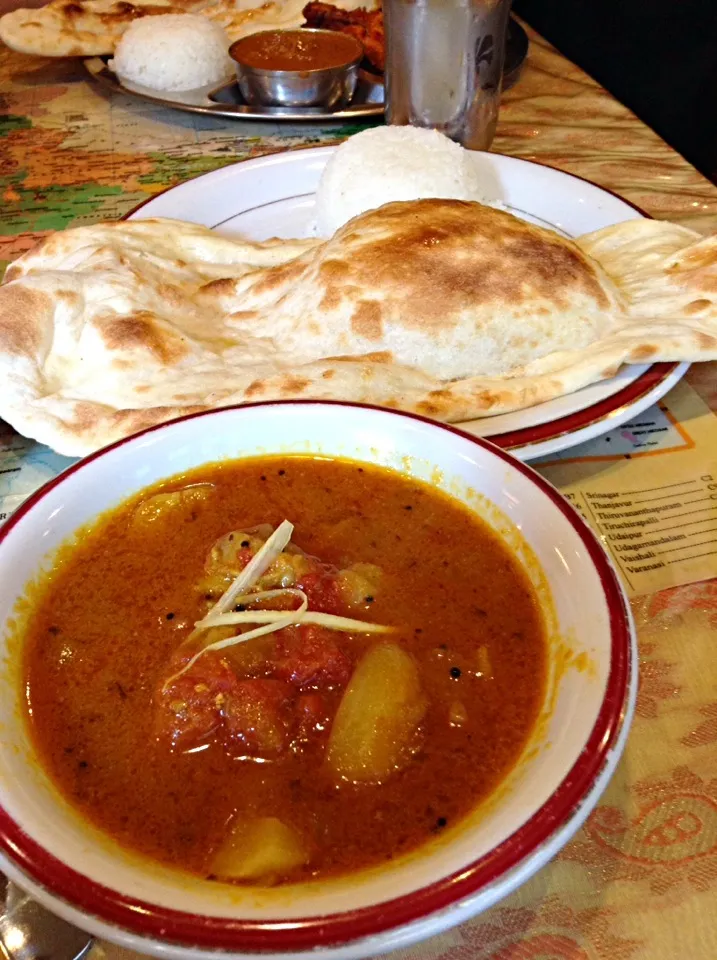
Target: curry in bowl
x,y
282,668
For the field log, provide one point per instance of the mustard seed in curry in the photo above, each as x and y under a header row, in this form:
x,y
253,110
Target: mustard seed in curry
x,y
262,704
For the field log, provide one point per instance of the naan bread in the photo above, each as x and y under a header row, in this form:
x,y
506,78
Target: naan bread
x,y
271,15
447,308
72,28
79,28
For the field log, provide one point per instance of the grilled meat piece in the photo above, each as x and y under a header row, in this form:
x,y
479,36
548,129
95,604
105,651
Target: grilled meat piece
x,y
365,25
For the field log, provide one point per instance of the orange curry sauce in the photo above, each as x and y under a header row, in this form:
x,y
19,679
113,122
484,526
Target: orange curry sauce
x,y
106,622
301,50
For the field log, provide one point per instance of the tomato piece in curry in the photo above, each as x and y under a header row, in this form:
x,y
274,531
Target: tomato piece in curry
x,y
311,750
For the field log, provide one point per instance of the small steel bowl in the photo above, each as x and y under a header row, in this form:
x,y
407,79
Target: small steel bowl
x,y
321,87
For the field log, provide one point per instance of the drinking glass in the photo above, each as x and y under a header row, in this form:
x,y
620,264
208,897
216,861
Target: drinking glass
x,y
444,66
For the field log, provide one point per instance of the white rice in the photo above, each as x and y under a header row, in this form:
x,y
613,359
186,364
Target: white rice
x,y
385,164
173,51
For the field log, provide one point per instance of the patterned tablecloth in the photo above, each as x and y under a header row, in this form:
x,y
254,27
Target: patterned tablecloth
x,y
640,879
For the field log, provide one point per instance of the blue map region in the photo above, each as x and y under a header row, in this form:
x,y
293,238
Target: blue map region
x,y
651,430
24,467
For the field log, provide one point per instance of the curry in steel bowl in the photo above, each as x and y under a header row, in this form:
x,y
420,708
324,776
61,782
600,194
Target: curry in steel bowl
x,y
259,701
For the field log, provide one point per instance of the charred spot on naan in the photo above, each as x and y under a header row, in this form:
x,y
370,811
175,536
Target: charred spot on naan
x,y
69,298
172,295
435,403
702,254
123,11
378,356
428,408
128,422
707,342
488,399
291,386
554,266
87,417
694,270
243,316
331,270
698,306
333,275
129,8
95,418
21,313
255,389
440,403
645,352
224,286
275,278
367,320
140,330
13,272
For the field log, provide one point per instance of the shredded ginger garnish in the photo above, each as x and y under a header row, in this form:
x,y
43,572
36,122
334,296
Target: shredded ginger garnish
x,y
222,615
330,620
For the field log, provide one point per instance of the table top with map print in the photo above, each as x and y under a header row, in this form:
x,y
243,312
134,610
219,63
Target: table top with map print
x,y
639,880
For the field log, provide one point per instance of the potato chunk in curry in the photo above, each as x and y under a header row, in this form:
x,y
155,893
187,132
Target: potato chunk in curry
x,y
375,726
261,849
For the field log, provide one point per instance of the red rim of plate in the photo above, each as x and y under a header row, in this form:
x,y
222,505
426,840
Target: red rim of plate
x,y
184,929
595,413
552,429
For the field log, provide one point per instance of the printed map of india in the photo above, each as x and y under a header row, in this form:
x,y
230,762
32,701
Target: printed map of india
x,y
72,153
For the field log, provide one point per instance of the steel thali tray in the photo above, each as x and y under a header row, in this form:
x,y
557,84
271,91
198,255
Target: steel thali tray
x,y
226,101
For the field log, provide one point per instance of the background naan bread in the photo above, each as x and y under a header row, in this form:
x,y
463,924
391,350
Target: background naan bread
x,y
70,28
448,308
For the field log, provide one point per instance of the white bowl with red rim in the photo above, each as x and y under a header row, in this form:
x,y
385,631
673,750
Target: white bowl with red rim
x,y
83,876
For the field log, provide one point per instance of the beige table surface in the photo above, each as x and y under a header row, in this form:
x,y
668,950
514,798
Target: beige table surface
x,y
640,879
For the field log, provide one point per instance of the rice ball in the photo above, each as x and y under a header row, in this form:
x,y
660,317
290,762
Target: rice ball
x,y
173,51
385,164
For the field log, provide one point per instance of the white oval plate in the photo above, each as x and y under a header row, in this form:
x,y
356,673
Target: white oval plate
x,y
274,196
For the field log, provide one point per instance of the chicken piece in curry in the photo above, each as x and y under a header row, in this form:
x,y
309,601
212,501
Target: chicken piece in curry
x,y
260,701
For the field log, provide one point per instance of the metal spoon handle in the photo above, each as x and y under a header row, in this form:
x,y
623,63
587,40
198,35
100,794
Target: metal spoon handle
x,y
30,932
